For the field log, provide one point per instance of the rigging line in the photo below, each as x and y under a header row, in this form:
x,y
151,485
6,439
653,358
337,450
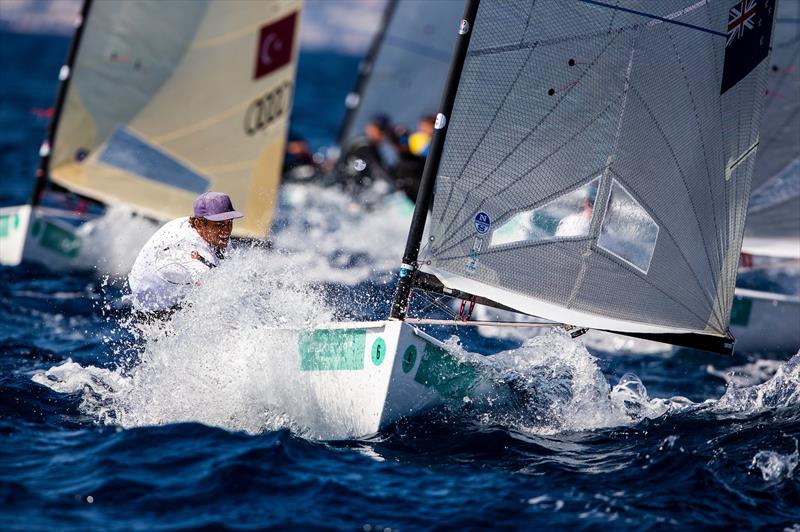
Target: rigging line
x,y
655,17
436,303
485,323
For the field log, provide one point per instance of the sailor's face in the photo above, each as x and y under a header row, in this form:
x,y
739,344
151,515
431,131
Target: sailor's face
x,y
218,234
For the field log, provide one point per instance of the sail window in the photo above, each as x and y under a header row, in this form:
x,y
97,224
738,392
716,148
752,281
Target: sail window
x,y
568,215
627,231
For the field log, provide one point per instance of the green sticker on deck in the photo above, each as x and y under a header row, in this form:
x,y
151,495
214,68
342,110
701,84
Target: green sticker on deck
x,y
4,225
440,370
332,349
740,311
378,351
409,357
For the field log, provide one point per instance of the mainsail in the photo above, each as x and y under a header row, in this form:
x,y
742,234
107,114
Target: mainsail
x,y
773,219
404,72
167,100
597,160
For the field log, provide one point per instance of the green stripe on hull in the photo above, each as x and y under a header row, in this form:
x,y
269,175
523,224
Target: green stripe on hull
x,y
740,311
332,349
6,224
439,370
56,239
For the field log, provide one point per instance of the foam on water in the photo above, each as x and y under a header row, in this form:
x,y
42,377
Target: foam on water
x,y
334,239
775,466
228,359
219,361
552,384
111,243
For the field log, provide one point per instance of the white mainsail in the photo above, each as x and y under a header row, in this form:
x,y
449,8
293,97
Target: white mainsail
x,y
167,100
404,73
597,164
773,219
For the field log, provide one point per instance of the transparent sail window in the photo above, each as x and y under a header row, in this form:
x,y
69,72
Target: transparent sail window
x,y
568,215
627,231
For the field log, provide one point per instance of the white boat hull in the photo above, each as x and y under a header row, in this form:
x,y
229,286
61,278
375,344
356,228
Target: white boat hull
x,y
764,322
36,235
361,377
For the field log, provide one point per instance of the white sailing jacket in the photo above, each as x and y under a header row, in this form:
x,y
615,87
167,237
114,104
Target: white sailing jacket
x,y
165,270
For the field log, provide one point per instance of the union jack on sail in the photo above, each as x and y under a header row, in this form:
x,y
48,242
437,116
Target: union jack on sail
x,y
741,16
749,34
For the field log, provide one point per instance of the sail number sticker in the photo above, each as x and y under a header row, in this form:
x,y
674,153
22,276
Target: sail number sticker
x,y
265,110
482,223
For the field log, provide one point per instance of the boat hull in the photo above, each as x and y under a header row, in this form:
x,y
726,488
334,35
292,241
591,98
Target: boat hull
x,y
361,377
764,322
32,234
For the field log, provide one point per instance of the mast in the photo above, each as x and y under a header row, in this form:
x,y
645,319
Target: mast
x,y
65,75
353,100
423,203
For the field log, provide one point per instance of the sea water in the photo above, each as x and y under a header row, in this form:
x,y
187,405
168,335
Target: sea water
x,y
105,425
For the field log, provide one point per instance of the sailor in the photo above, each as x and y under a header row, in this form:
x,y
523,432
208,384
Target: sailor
x,y
577,224
174,260
420,141
366,159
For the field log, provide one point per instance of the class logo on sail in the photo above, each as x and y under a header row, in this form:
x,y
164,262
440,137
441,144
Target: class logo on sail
x,y
274,50
749,31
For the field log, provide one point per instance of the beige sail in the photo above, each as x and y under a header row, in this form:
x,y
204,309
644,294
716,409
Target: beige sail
x,y
170,99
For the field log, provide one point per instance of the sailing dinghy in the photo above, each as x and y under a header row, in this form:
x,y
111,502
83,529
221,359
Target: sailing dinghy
x,y
159,102
591,166
766,321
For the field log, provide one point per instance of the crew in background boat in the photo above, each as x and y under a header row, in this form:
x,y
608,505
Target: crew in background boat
x,y
420,141
367,157
406,173
177,256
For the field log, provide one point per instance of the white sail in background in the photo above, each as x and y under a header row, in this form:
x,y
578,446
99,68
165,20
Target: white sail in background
x,y
773,219
407,73
597,164
170,99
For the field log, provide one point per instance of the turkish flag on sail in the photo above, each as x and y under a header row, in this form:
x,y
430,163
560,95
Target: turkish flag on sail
x,y
275,45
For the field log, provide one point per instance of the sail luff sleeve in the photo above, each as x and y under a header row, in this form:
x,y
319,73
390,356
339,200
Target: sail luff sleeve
x,y
423,202
597,163
43,171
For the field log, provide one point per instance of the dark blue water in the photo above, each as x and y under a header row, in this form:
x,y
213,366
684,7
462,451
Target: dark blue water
x,y
578,446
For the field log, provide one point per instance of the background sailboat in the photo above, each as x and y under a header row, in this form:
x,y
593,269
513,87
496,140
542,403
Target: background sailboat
x,y
762,320
158,103
404,70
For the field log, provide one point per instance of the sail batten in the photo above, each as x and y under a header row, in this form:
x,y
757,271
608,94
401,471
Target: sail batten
x,y
597,164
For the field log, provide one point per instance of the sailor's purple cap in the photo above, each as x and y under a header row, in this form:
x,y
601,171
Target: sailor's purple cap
x,y
215,206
